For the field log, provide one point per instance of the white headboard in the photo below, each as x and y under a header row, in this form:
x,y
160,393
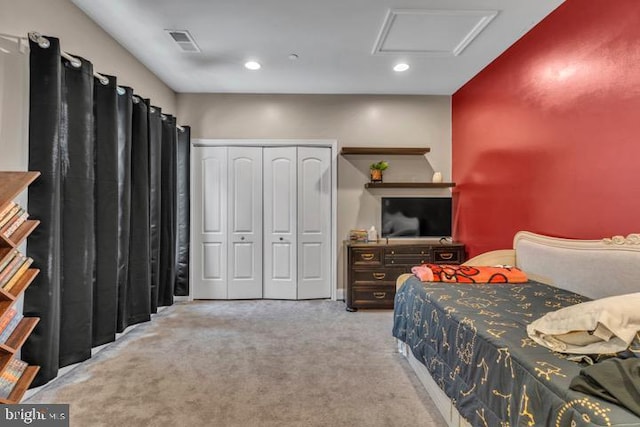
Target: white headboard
x,y
593,268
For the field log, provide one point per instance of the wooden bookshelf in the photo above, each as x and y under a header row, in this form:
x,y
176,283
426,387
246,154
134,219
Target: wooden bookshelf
x,y
21,233
14,183
22,385
20,334
409,184
22,284
387,151
11,185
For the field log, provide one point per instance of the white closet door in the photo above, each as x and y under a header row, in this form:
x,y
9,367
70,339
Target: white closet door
x,y
210,217
280,275
314,222
245,222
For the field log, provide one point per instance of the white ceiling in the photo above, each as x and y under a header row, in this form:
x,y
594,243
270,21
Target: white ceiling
x,y
344,46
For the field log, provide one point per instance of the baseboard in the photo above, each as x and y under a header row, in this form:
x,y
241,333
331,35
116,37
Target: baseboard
x,y
340,295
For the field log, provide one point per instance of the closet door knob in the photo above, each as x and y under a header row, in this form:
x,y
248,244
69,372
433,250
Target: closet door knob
x,y
281,239
242,238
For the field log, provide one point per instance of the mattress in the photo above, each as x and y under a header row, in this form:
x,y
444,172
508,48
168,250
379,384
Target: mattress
x,y
472,339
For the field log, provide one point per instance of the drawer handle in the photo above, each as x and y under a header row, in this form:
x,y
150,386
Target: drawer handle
x,y
446,256
379,276
379,295
367,257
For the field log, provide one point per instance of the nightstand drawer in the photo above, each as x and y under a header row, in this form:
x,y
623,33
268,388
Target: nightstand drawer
x,y
378,275
408,250
448,256
406,260
373,296
366,256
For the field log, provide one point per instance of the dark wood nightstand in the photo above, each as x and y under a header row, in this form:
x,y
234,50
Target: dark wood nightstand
x,y
372,268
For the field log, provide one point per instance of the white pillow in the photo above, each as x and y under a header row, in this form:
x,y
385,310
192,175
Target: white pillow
x,y
606,325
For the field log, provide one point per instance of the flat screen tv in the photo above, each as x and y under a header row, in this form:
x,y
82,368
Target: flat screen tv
x,y
416,217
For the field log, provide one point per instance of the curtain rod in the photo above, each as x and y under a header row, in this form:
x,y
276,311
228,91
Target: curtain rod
x,y
75,62
44,43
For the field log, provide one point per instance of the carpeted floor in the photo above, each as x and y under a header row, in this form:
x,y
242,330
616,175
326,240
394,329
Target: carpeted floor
x,y
249,363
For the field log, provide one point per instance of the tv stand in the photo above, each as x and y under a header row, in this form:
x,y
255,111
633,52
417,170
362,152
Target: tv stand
x,y
372,268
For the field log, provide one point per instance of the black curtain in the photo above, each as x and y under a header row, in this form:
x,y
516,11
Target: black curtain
x,y
114,181
105,295
42,297
77,231
61,146
183,184
139,283
125,120
155,208
168,247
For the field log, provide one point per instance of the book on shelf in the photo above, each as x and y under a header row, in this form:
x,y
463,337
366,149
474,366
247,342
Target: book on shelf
x,y
11,213
18,274
6,318
11,268
10,376
11,326
14,224
7,259
5,210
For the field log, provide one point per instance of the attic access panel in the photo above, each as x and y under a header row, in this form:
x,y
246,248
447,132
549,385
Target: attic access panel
x,y
430,32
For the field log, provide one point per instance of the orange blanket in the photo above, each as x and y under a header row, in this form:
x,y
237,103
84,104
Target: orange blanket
x,y
468,274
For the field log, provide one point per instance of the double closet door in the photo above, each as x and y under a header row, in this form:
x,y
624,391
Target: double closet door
x,y
264,219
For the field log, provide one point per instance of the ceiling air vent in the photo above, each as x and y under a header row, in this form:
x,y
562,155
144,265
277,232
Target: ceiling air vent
x,y
184,40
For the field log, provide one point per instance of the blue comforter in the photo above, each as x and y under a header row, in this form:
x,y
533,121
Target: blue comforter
x,y
472,338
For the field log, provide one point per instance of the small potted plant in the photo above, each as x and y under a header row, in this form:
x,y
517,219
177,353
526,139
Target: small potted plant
x,y
376,170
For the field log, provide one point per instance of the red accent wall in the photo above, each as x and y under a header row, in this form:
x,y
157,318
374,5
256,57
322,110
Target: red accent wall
x,y
547,137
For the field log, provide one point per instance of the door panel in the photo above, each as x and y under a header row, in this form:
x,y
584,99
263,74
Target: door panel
x,y
312,259
314,222
210,220
280,240
214,258
244,262
245,222
282,266
243,180
213,171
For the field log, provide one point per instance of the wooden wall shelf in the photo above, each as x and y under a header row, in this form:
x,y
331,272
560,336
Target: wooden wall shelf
x,y
11,185
409,184
387,151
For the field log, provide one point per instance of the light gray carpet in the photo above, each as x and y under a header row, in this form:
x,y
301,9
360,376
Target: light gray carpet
x,y
249,363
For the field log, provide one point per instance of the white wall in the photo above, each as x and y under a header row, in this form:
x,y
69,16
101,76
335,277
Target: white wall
x,y
14,106
353,120
79,35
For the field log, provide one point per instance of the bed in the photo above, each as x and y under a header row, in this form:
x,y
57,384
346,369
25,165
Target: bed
x,y
469,346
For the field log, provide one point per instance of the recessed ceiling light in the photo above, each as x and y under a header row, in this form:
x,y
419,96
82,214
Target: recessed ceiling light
x,y
401,67
294,56
252,65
